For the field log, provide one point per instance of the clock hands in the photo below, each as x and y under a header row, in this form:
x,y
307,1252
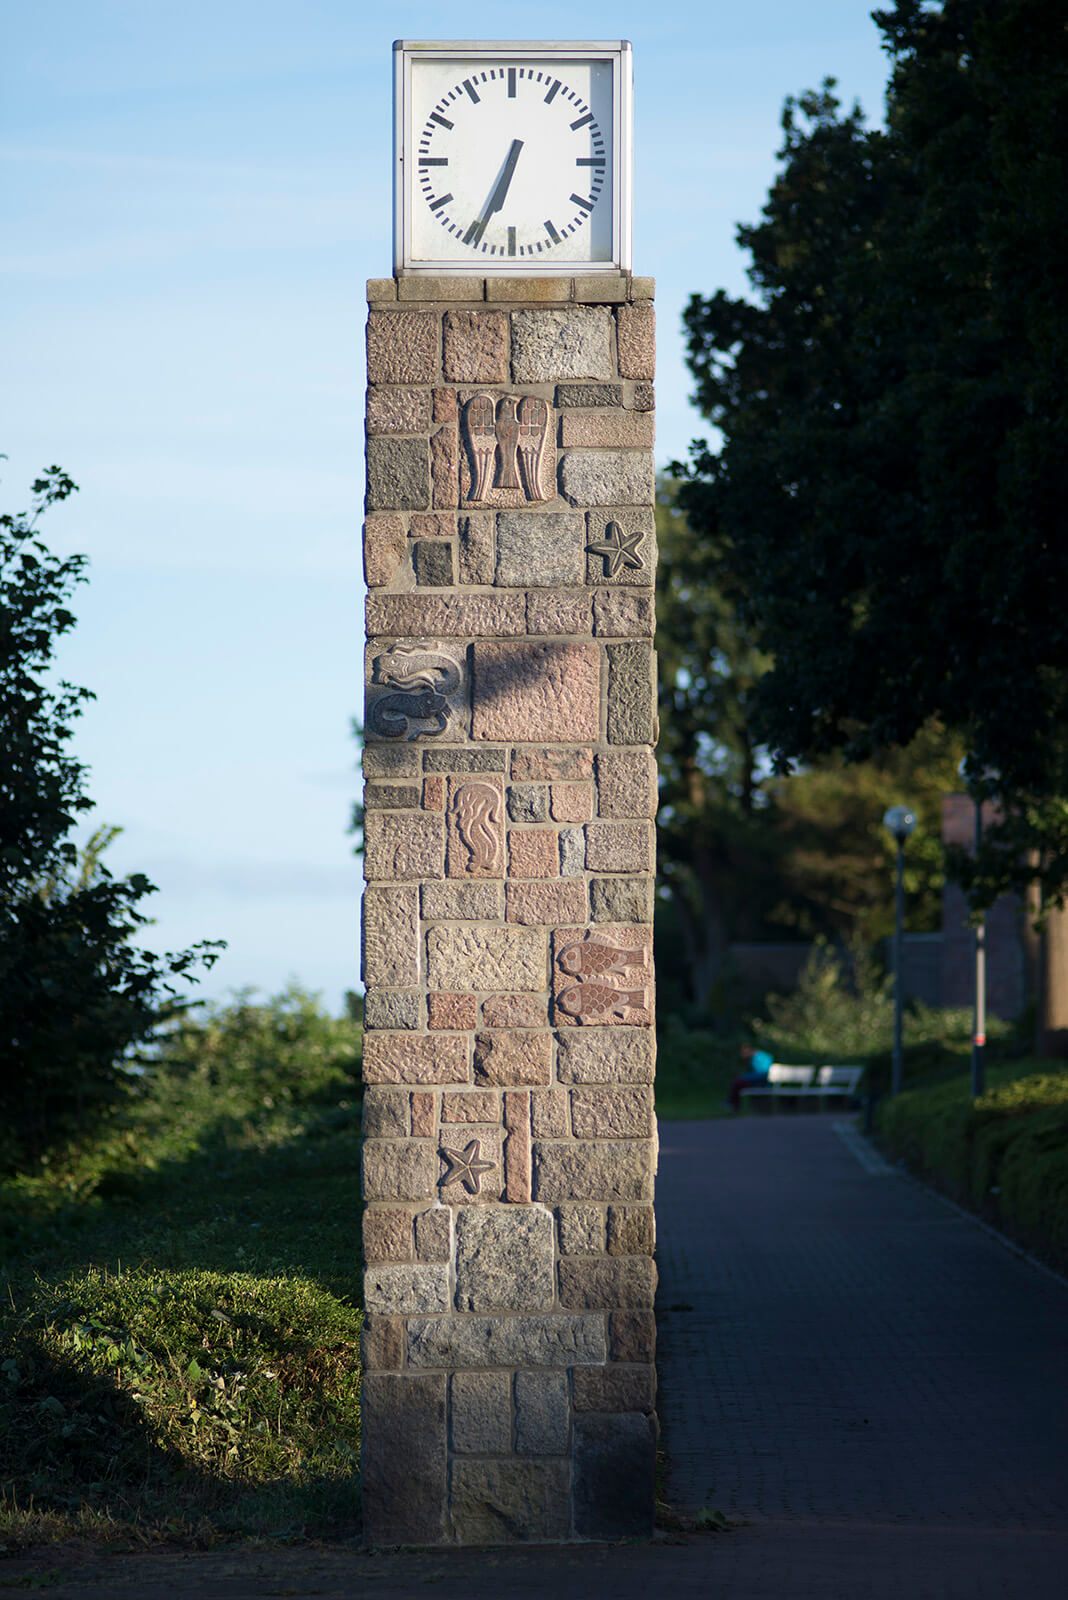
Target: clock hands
x,y
497,198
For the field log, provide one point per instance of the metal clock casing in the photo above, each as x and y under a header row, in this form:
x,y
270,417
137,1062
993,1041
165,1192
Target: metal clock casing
x,y
512,158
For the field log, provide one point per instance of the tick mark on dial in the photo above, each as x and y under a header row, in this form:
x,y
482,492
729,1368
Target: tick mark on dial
x,y
436,205
511,83
589,161
582,122
551,231
473,92
511,241
587,205
553,91
437,161
443,122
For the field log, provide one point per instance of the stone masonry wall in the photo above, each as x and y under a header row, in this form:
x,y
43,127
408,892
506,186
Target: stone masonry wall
x,y
509,1137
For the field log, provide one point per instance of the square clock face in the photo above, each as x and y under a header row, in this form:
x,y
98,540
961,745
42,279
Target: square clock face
x,y
512,158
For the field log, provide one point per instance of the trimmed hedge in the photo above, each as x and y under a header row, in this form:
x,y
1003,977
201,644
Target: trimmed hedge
x,y
1005,1155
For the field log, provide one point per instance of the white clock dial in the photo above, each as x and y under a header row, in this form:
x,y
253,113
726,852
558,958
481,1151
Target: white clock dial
x,y
514,161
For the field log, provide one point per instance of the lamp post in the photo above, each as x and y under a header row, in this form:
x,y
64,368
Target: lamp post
x,y
976,786
900,821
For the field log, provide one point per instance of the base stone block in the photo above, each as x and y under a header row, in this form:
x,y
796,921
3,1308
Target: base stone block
x,y
403,1462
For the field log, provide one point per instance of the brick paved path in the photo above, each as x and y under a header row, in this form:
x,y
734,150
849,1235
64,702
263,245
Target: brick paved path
x,y
865,1376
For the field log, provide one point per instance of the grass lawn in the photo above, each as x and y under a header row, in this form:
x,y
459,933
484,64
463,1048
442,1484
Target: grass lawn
x,y
179,1323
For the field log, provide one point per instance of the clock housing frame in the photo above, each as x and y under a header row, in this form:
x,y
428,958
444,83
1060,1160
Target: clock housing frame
x,y
407,54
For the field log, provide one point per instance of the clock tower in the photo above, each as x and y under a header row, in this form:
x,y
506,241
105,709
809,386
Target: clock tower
x,y
510,550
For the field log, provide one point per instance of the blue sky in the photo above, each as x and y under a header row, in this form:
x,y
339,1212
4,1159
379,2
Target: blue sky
x,y
192,198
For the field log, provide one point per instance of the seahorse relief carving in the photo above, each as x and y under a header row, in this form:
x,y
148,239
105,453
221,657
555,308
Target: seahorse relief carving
x,y
478,813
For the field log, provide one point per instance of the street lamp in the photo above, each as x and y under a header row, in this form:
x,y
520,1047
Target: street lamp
x,y
976,784
900,821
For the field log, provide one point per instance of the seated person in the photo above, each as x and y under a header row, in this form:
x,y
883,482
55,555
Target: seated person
x,y
757,1065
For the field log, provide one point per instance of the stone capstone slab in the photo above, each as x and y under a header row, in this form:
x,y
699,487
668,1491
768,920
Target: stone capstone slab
x,y
496,1502
481,1413
542,1419
507,1341
394,1290
550,346
536,691
486,959
606,477
504,1259
403,1458
581,1170
614,1472
605,1055
547,550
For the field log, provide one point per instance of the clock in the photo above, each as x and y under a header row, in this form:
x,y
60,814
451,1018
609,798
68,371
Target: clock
x,y
512,158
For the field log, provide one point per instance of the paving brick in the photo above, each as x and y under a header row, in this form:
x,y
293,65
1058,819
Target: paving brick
x,y
534,692
636,341
402,347
513,1059
476,346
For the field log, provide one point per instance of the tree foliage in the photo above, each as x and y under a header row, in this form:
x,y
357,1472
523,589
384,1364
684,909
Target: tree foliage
x,y
888,496
75,991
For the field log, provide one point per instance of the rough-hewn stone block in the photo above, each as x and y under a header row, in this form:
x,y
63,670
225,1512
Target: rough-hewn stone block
x,y
404,847
432,560
517,1146
433,1234
571,802
636,340
486,959
451,1011
513,1060
391,937
585,395
547,550
390,761
608,430
626,784
549,1113
528,802
607,477
633,1336
516,1341
631,1231
391,797
613,1170
422,1114
431,525
402,1171
444,759
462,902
642,397
551,346
385,1008
387,1235
481,1407
612,1113
581,1230
620,847
614,1388
614,1471
385,1113
543,691
546,765
542,1413
476,346
402,347
605,1055
448,616
434,791
572,851
546,903
621,899
533,853
555,612
477,548
590,1283
514,1011
504,1502
403,1460
397,410
384,544
631,694
624,614
425,287
415,1058
390,1290
398,474
382,1344
470,1105
504,1259
444,467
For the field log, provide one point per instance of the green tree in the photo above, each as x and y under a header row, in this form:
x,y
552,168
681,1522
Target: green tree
x,y
75,992
889,489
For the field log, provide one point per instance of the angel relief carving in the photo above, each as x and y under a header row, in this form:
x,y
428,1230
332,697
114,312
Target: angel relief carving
x,y
506,441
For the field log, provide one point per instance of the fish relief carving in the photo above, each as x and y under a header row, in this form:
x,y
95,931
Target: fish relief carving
x,y
598,981
592,957
478,812
589,1001
506,439
423,679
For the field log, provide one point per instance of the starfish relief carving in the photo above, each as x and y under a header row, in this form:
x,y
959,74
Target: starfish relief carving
x,y
618,548
465,1166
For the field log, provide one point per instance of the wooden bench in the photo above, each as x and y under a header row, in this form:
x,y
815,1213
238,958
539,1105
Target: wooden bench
x,y
805,1083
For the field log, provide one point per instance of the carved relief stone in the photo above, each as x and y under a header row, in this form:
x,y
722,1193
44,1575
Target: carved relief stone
x,y
476,827
415,691
602,975
508,448
619,549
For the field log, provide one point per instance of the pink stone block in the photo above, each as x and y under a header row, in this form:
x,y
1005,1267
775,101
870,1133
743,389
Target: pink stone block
x,y
527,691
533,853
571,802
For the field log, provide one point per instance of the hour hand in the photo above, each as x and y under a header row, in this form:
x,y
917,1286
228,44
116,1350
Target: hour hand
x,y
497,198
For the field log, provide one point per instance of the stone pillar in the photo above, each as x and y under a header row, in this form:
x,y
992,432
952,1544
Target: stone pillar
x,y
509,1139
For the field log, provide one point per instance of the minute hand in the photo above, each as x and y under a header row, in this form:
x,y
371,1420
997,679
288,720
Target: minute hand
x,y
497,198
